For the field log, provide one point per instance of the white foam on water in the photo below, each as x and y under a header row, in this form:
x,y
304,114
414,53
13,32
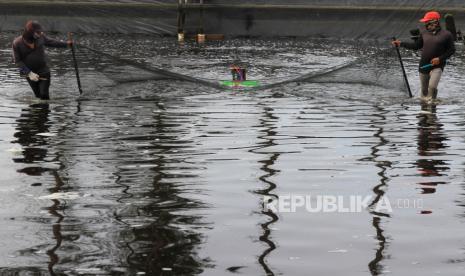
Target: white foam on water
x,y
338,251
47,134
68,195
15,150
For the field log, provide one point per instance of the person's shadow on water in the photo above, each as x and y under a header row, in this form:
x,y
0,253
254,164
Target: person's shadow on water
x,y
32,121
430,144
31,133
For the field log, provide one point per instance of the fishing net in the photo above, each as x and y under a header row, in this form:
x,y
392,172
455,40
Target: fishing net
x,y
100,70
271,63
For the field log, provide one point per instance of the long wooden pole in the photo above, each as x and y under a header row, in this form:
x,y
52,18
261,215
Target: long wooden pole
x,y
76,69
403,69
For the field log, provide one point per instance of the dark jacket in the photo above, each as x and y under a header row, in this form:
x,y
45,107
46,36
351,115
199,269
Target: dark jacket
x,y
433,44
34,60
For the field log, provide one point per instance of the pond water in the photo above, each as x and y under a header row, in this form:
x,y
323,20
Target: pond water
x,y
168,177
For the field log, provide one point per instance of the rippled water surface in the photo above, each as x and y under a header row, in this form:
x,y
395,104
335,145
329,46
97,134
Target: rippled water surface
x,y
167,177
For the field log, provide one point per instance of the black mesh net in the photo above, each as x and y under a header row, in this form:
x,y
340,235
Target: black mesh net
x,y
271,63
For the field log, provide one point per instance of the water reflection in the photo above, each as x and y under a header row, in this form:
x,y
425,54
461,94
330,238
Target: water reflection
x,y
375,265
431,142
160,234
267,125
55,210
31,127
32,121
146,220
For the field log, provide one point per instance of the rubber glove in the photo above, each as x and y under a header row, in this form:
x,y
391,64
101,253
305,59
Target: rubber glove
x,y
33,76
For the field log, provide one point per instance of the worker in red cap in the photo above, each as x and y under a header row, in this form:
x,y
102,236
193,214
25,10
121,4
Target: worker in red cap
x,y
437,46
29,56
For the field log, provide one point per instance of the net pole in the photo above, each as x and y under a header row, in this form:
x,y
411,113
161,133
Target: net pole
x,y
201,30
403,69
180,17
76,69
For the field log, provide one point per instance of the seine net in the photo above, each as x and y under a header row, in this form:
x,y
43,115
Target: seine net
x,y
270,62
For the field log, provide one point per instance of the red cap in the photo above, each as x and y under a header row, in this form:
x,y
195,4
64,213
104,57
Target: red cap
x,y
430,16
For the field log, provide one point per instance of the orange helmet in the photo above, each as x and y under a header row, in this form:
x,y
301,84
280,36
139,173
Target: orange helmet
x,y
430,16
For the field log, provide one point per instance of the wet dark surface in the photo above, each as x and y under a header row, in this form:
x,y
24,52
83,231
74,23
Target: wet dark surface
x,y
165,177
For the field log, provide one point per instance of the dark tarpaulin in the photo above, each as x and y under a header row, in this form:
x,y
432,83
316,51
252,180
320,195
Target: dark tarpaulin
x,y
394,3
343,19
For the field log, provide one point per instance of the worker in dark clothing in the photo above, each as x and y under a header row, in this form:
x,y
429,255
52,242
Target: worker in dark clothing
x,y
437,46
29,56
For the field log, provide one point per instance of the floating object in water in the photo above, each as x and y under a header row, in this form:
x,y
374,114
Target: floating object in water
x,y
15,150
427,66
338,251
47,134
238,74
425,112
247,83
234,269
278,94
93,271
68,195
239,78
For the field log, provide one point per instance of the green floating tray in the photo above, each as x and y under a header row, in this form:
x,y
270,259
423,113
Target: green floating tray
x,y
247,83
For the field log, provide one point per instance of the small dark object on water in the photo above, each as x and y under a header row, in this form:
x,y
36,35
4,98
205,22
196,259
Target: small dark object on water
x,y
278,95
234,269
36,184
238,74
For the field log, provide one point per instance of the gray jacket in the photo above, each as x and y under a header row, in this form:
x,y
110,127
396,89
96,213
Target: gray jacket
x,y
34,59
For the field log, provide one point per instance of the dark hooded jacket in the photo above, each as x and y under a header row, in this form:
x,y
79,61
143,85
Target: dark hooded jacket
x,y
33,59
435,44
